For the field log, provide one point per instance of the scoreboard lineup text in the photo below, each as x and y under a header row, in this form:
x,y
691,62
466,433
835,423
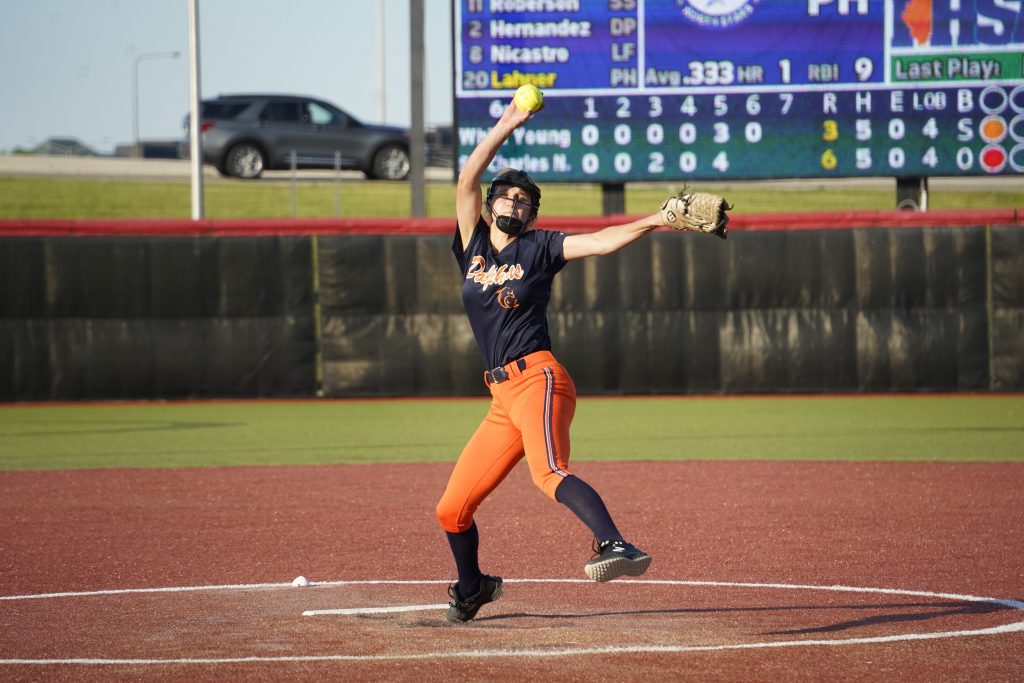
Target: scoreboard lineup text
x,y
746,89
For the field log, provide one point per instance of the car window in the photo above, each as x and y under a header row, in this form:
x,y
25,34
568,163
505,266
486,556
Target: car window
x,y
282,112
322,116
223,110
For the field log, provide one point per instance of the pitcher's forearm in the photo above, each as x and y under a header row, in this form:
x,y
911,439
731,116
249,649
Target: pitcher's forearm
x,y
618,236
610,239
484,152
488,147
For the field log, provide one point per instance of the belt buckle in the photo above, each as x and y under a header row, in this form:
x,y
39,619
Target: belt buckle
x,y
498,375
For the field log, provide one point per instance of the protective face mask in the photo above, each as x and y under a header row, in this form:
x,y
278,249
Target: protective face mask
x,y
510,225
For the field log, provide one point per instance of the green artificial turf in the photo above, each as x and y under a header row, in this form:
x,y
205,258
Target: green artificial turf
x,y
203,434
74,198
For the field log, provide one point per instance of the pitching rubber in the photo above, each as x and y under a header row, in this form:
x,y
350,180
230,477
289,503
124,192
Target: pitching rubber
x,y
614,567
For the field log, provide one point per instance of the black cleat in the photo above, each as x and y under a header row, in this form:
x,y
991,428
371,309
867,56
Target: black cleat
x,y
464,609
613,559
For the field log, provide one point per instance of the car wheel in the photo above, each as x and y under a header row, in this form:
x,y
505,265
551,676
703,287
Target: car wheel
x,y
391,162
244,160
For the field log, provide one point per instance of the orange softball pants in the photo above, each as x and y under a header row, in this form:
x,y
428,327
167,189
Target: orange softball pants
x,y
529,415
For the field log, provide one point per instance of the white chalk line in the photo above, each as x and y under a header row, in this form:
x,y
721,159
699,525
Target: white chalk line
x,y
482,654
349,611
237,586
1013,627
1015,604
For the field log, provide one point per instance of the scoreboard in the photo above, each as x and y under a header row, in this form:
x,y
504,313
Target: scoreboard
x,y
642,90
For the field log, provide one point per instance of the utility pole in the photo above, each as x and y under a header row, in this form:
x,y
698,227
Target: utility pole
x,y
195,129
381,76
417,138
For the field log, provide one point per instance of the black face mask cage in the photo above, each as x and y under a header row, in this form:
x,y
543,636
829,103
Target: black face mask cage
x,y
512,225
516,203
514,178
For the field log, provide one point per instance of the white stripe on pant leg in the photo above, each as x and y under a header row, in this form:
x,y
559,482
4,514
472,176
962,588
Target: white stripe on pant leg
x,y
549,440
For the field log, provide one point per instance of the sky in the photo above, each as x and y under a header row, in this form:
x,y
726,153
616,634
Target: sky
x,y
66,65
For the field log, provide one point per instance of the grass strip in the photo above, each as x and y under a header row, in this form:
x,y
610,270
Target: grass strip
x,y
211,434
72,198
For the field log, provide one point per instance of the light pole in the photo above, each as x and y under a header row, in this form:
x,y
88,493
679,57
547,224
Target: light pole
x,y
136,152
381,111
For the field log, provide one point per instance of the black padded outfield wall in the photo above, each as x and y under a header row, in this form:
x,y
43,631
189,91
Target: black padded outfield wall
x,y
1007,309
155,317
863,310
392,318
869,310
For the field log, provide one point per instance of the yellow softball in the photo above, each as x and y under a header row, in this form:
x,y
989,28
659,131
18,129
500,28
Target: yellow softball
x,y
528,97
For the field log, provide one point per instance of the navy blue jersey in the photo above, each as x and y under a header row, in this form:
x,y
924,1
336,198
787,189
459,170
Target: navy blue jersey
x,y
506,294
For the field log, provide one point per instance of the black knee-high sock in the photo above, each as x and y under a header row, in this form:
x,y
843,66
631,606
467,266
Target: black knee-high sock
x,y
578,496
465,547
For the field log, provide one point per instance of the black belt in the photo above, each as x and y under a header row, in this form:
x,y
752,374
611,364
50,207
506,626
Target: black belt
x,y
499,374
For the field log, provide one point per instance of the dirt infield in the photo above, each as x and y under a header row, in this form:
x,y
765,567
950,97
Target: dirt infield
x,y
762,571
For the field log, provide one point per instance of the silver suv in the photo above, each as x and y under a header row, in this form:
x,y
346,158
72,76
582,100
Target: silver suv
x,y
244,135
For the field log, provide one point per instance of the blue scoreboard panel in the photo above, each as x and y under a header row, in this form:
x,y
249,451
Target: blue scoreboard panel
x,y
744,89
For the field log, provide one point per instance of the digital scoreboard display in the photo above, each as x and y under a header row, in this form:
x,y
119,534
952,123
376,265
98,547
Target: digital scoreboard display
x,y
639,90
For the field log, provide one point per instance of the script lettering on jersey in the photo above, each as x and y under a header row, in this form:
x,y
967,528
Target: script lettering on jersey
x,y
493,275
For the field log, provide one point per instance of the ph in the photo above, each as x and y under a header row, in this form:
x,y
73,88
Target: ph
x,y
814,6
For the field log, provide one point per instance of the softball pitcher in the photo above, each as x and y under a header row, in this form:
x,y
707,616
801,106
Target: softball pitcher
x,y
508,268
